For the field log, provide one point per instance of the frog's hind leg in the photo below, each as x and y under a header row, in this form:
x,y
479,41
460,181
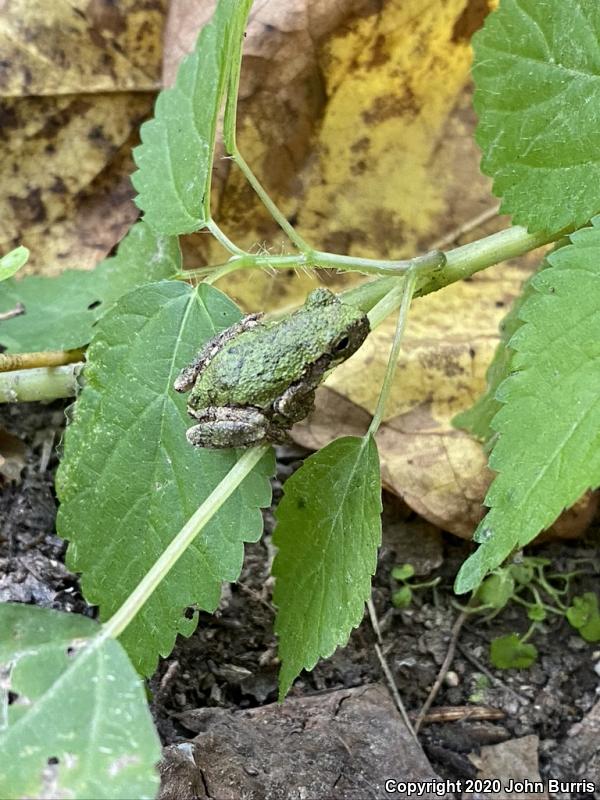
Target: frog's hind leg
x,y
187,377
228,427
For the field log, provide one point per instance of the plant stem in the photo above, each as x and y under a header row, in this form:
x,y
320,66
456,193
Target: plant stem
x,y
529,633
47,358
39,384
121,618
314,259
223,239
461,263
279,218
406,290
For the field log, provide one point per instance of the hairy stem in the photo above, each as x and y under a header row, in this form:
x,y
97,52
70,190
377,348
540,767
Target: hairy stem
x,y
199,519
315,259
461,262
279,218
223,239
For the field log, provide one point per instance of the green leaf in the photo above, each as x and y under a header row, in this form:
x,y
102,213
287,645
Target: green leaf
x,y
129,480
509,652
328,531
537,78
477,420
176,154
12,262
402,598
584,615
522,573
78,724
60,312
403,572
536,613
496,590
547,453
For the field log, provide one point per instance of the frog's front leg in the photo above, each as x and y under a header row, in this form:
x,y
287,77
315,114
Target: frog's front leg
x,y
295,404
187,377
228,427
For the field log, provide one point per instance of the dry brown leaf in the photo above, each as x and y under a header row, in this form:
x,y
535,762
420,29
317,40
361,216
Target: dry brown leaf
x,y
54,47
513,763
77,79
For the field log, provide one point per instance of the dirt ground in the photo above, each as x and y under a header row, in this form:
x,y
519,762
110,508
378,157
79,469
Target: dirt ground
x,y
230,662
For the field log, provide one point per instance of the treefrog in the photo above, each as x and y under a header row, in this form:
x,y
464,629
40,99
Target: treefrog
x,y
254,380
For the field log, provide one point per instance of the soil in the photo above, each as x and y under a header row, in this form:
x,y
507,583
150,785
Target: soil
x,y
230,662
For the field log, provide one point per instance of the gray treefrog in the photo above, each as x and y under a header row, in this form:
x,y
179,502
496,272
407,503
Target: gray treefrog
x,y
254,380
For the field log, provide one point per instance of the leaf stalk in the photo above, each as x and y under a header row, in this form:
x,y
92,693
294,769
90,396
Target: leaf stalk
x,y
115,626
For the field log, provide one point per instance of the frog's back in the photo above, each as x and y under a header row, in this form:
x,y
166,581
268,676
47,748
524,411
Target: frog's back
x,y
259,364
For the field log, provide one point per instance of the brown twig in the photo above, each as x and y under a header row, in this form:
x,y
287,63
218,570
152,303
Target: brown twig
x,y
454,634
386,669
394,690
256,596
458,713
374,620
47,358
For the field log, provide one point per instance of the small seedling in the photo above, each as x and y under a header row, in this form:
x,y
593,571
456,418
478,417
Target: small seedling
x,y
403,596
482,684
541,593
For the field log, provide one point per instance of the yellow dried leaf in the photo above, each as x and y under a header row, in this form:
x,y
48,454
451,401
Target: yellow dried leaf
x,y
78,78
346,117
59,47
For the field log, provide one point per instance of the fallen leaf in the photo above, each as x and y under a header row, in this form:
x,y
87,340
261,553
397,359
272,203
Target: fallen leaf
x,y
512,763
77,79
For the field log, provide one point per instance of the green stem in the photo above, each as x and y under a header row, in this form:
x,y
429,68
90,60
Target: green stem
x,y
40,384
315,259
223,239
277,215
406,291
121,619
529,633
461,263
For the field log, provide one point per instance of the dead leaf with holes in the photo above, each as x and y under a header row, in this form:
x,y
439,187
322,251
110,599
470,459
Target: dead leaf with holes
x,y
77,78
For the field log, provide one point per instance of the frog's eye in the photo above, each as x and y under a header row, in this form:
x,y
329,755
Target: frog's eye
x,y
342,344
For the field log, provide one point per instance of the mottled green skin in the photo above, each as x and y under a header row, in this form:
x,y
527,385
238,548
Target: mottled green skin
x,y
259,364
